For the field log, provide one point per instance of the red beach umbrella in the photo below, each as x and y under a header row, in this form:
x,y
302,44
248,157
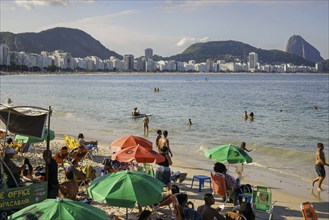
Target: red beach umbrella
x,y
139,154
129,141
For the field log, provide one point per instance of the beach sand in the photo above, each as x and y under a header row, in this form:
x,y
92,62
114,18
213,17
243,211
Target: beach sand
x,y
288,191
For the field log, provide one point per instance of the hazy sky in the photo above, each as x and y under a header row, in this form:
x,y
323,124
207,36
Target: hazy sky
x,y
169,27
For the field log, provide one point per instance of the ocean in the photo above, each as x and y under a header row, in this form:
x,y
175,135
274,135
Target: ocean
x,y
291,111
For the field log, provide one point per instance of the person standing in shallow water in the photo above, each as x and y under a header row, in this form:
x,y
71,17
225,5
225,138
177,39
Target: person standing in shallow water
x,y
320,161
251,116
245,115
146,121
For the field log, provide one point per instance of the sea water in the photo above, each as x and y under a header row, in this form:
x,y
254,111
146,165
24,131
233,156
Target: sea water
x,y
291,111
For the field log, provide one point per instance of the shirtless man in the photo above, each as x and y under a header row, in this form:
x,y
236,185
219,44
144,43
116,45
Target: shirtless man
x,y
164,142
159,132
244,148
207,212
69,189
320,161
146,121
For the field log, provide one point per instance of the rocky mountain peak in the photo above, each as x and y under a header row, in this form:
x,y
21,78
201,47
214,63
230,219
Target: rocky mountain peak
x,y
298,46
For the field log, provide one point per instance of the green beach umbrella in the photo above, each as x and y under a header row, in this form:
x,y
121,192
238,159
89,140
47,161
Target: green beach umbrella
x,y
228,153
28,139
59,209
125,189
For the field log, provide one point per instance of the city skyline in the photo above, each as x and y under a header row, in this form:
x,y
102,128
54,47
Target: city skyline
x,y
169,27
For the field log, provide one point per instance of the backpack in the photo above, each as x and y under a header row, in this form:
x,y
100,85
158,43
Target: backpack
x,y
245,189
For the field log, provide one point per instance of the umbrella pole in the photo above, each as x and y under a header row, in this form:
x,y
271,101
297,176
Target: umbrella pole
x,y
48,135
126,213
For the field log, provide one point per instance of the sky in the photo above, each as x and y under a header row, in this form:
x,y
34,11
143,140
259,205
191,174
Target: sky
x,y
170,26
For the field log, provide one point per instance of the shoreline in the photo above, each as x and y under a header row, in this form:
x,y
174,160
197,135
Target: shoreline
x,y
15,73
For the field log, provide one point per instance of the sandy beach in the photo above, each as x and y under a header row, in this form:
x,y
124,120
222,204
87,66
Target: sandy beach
x,y
287,191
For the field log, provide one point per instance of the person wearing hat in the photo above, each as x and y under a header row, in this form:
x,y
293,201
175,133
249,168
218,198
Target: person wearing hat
x,y
14,171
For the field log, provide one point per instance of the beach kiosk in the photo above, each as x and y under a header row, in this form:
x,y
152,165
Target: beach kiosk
x,y
28,121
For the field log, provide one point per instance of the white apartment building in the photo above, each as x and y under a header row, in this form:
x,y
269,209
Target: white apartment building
x,y
128,62
253,60
189,67
148,53
210,65
16,58
117,63
180,66
108,65
35,60
64,59
201,67
81,63
4,55
139,64
98,63
150,66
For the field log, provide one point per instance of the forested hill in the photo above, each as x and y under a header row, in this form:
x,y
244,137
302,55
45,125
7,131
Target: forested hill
x,y
234,50
77,42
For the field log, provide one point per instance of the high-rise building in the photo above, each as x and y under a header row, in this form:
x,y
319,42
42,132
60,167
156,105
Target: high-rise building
x,y
148,53
129,62
4,55
253,60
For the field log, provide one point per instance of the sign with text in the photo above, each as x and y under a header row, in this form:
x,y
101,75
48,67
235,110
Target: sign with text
x,y
20,197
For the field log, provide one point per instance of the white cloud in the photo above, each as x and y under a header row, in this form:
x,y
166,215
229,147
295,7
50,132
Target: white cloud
x,y
121,37
30,4
188,41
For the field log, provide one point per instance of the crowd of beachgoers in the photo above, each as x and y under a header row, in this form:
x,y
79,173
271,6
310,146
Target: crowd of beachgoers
x,y
75,171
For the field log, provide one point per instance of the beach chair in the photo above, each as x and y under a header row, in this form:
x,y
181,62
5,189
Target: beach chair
x,y
308,211
177,209
219,186
262,200
73,145
70,142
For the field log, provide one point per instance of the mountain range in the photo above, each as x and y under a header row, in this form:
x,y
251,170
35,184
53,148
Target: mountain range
x,y
81,44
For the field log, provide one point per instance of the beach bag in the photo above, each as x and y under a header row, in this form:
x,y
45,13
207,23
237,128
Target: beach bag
x,y
246,211
40,171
